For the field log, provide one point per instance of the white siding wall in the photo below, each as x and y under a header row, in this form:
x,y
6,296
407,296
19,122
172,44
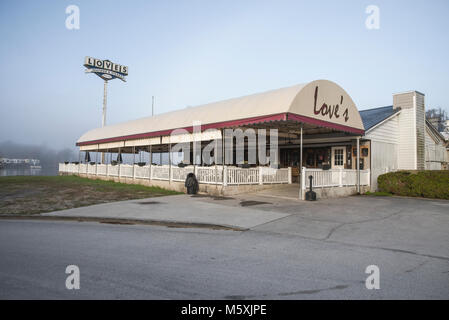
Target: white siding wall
x,y
384,149
384,159
436,153
407,140
387,131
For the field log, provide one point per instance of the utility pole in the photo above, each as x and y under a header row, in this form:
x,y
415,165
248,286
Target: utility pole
x,y
152,106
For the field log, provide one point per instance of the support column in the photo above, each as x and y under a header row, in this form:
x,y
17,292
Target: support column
x,y
119,156
289,175
300,151
134,162
151,163
358,164
105,99
224,177
301,172
160,156
169,163
216,160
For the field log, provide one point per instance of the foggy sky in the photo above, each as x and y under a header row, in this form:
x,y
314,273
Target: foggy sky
x,y
194,52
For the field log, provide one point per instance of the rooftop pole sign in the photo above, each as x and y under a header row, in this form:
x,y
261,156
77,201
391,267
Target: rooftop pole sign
x,y
106,70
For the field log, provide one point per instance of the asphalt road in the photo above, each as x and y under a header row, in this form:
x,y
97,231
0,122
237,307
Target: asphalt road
x,y
155,262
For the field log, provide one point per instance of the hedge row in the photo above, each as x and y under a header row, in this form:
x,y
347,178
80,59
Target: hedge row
x,y
427,184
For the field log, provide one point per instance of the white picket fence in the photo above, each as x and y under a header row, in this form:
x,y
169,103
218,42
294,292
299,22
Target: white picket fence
x,y
101,169
334,178
219,174
207,175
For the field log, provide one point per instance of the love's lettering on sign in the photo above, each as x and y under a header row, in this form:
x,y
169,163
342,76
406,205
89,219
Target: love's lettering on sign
x,y
329,110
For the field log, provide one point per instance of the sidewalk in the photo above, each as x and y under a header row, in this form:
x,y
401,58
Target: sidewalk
x,y
180,209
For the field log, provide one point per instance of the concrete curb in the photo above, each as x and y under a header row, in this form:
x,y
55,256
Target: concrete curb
x,y
168,224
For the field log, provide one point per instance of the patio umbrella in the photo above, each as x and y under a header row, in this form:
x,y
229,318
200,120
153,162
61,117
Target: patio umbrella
x,y
87,157
119,158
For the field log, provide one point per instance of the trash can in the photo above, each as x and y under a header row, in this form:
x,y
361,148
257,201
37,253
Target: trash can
x,y
191,184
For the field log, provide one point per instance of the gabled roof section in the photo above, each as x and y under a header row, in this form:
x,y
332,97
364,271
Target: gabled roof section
x,y
372,117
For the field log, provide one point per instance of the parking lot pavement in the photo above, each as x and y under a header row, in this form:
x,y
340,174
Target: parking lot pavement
x,y
155,262
417,226
291,250
181,208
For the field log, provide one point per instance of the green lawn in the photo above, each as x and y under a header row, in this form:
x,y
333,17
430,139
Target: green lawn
x,y
33,195
378,193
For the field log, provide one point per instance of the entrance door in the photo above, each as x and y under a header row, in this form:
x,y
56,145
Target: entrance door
x,y
338,157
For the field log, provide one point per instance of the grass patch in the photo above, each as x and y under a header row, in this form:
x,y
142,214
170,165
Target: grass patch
x,y
378,193
33,195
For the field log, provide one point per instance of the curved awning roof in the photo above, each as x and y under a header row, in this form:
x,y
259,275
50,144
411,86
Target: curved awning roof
x,y
321,102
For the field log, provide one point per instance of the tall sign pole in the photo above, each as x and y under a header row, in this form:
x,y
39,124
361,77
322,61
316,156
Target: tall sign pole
x,y
106,70
105,102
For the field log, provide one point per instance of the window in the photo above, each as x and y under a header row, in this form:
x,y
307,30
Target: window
x,y
338,157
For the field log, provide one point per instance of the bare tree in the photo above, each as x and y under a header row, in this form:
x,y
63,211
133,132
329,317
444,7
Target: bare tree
x,y
437,117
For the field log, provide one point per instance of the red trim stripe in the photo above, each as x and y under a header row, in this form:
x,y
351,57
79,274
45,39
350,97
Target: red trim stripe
x,y
322,123
232,123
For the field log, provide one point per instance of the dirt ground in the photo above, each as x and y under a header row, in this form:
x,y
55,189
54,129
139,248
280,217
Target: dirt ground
x,y
36,194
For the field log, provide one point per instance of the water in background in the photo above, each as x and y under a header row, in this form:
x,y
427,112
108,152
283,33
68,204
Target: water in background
x,y
4,172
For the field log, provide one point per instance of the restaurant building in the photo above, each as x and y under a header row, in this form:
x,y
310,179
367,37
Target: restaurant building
x,y
318,129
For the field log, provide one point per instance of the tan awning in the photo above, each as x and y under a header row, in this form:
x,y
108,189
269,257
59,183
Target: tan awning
x,y
320,102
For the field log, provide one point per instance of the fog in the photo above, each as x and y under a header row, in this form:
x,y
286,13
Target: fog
x,y
49,157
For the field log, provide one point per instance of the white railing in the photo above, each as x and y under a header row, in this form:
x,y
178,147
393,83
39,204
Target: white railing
x,y
271,175
207,175
91,168
180,174
113,170
83,168
334,178
242,175
72,168
160,172
126,170
101,169
142,172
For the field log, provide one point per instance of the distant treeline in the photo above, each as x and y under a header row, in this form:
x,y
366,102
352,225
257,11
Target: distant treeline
x,y
49,157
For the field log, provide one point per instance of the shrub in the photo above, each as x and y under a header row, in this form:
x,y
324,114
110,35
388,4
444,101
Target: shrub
x,y
427,184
